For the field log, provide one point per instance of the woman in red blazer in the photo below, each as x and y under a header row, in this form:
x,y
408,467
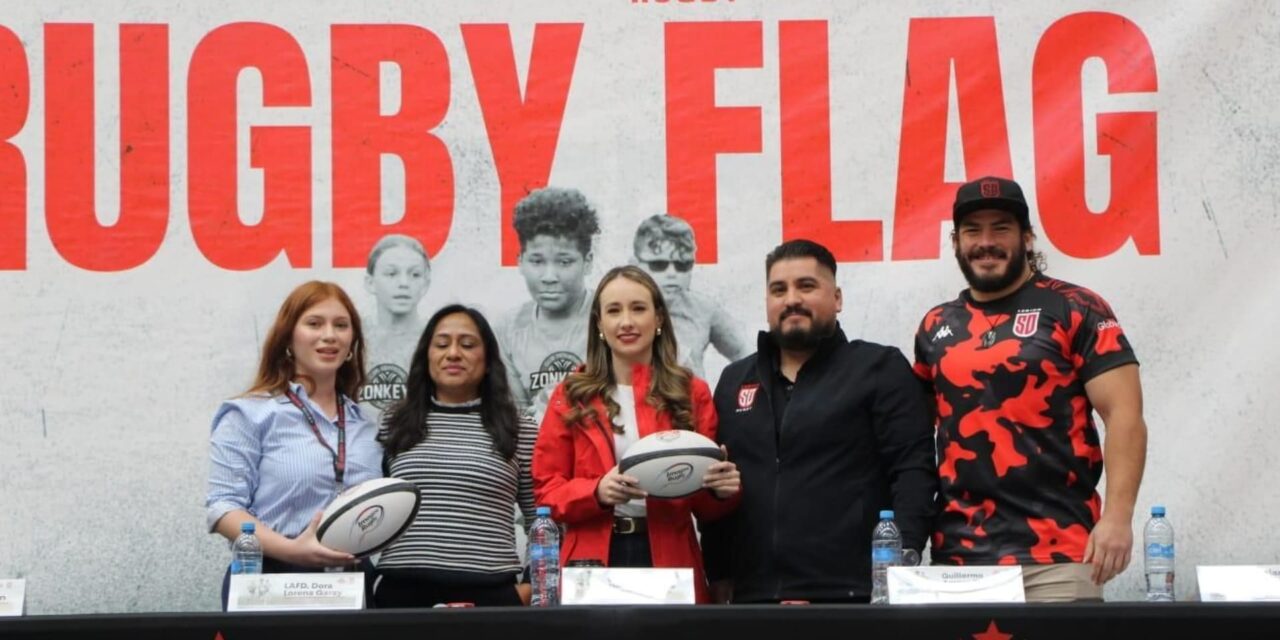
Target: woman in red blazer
x,y
629,388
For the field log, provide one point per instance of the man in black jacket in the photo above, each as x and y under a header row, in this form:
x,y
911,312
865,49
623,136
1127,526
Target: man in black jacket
x,y
826,432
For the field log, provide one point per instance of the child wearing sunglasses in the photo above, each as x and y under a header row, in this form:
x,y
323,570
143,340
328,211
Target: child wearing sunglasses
x,y
664,247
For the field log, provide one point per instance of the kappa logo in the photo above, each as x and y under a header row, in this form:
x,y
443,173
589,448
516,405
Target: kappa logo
x,y
747,396
1026,322
943,332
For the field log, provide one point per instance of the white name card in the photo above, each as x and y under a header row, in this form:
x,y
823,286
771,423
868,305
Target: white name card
x,y
296,592
604,585
940,584
1240,583
13,594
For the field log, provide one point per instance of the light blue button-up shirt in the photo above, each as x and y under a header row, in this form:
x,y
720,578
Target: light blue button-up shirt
x,y
265,459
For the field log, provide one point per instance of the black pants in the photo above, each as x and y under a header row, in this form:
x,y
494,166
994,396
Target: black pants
x,y
271,565
399,591
630,550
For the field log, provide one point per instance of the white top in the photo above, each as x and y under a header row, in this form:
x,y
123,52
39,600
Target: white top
x,y
625,396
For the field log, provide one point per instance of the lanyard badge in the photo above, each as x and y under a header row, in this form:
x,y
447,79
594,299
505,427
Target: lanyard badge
x,y
339,456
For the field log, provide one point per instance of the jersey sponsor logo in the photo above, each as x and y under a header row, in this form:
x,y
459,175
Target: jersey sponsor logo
x,y
554,368
1108,324
1026,322
385,386
747,396
943,332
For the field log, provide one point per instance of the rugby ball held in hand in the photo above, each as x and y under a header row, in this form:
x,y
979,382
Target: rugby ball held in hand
x,y
369,516
670,464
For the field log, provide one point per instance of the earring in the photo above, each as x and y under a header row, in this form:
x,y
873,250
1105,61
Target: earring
x,y
350,354
287,353
659,330
602,335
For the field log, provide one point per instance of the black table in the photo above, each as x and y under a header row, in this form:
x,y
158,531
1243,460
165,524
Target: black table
x,y
848,622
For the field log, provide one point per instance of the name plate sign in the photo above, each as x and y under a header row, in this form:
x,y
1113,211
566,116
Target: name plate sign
x,y
604,585
296,592
13,594
954,585
1239,583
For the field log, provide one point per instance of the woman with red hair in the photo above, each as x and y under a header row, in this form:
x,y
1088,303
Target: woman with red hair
x,y
284,449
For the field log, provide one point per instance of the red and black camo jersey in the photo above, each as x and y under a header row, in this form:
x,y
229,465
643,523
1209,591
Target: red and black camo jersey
x,y
1019,457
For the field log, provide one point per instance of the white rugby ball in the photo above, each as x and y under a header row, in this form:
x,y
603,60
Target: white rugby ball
x,y
369,516
670,464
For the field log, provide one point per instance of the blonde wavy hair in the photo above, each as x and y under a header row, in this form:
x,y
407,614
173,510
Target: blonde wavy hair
x,y
669,383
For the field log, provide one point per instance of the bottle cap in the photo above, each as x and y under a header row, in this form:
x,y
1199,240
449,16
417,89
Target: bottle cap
x,y
544,511
886,514
1157,511
246,527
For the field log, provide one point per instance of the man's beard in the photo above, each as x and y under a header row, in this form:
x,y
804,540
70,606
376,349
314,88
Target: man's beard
x,y
801,339
992,284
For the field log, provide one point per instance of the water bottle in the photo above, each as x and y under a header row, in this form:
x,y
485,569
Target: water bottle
x,y
1157,539
544,559
886,551
246,551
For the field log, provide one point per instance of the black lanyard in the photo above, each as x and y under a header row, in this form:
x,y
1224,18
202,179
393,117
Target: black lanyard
x,y
340,457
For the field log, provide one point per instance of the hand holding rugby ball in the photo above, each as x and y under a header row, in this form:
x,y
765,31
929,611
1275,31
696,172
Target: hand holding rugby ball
x,y
369,516
670,464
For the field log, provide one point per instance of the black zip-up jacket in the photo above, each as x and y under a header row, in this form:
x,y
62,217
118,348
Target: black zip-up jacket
x,y
856,436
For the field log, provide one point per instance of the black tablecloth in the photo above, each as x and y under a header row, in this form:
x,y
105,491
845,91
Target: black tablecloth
x,y
981,622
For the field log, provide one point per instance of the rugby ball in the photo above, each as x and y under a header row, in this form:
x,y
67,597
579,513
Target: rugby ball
x,y
670,464
369,516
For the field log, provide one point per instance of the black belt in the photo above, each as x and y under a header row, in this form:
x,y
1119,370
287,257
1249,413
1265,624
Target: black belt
x,y
625,525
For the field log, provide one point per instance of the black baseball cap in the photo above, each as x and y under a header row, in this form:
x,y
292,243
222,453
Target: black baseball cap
x,y
991,192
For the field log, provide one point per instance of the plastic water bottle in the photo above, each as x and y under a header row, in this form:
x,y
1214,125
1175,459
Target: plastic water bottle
x,y
1157,539
246,551
886,551
544,559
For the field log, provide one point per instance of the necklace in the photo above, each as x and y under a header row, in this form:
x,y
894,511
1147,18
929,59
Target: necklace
x,y
989,338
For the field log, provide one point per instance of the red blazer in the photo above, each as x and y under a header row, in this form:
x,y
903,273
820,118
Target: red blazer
x,y
568,463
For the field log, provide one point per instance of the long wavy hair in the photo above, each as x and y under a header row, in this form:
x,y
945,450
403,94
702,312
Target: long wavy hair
x,y
669,383
405,424
276,368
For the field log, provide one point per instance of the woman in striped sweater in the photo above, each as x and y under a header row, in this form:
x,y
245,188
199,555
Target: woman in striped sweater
x,y
458,436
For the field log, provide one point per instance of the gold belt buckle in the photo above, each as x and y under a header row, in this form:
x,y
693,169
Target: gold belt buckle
x,y
629,522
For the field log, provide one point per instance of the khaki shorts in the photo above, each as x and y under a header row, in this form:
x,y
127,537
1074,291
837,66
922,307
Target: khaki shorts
x,y
1068,582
